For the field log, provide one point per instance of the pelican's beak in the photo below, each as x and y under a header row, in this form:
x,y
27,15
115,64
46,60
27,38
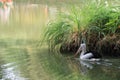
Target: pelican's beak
x,y
80,49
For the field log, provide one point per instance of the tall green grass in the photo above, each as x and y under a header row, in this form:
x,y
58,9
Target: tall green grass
x,y
94,17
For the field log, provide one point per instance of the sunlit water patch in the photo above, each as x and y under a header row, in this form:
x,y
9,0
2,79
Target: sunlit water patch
x,y
20,60
9,73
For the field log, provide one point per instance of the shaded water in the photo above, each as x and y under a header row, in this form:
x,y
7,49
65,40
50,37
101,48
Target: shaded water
x,y
22,59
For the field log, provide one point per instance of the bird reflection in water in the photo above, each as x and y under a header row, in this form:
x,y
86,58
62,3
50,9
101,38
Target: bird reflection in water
x,y
85,66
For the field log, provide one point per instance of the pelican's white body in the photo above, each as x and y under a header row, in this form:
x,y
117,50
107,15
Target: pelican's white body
x,y
84,56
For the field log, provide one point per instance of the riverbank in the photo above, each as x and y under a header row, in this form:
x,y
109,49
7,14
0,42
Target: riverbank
x,y
95,23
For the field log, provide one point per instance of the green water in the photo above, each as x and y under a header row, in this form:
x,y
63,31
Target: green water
x,y
22,59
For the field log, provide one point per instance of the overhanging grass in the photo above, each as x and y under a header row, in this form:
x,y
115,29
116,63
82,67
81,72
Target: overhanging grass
x,y
97,18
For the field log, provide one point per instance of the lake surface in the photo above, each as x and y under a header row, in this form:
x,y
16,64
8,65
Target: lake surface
x,y
21,57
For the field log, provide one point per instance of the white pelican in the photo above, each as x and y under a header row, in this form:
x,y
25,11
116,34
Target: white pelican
x,y
84,55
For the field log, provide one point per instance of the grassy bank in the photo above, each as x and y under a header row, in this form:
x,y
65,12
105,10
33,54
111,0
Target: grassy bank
x,y
91,22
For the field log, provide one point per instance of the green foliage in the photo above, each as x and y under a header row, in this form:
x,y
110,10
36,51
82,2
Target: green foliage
x,y
74,18
60,30
106,19
93,17
56,32
1,4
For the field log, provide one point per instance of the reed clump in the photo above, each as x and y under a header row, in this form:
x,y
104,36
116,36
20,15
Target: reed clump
x,y
94,22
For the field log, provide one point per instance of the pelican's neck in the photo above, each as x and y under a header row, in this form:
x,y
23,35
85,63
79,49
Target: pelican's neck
x,y
83,48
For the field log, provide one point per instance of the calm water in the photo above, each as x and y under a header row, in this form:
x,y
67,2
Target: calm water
x,y
21,58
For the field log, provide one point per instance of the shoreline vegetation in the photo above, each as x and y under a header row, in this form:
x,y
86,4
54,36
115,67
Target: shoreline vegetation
x,y
97,22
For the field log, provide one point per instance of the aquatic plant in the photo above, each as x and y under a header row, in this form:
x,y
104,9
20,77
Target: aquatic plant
x,y
106,19
92,21
104,22
56,32
64,29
